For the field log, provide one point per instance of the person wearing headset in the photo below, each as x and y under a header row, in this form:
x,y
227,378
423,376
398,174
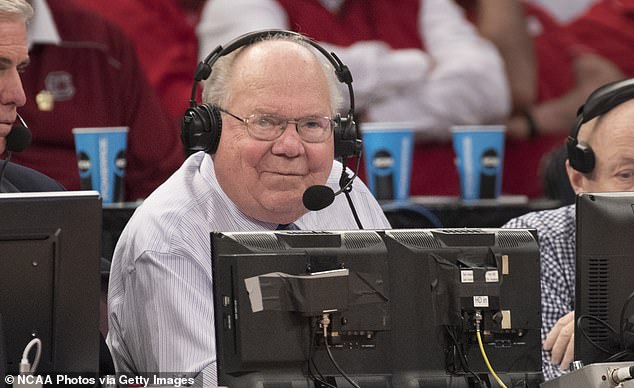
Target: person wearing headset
x,y
14,58
600,158
270,130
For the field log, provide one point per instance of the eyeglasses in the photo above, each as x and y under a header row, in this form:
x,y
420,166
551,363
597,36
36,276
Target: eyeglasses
x,y
266,126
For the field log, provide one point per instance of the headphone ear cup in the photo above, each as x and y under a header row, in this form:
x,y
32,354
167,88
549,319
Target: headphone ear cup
x,y
347,142
201,128
580,156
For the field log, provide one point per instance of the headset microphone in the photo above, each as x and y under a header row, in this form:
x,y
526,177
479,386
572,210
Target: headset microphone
x,y
319,197
17,140
20,136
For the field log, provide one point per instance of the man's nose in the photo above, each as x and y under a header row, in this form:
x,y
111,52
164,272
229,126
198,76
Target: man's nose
x,y
290,143
12,92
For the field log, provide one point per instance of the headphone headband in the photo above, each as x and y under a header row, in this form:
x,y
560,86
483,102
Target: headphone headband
x,y
601,101
201,125
203,69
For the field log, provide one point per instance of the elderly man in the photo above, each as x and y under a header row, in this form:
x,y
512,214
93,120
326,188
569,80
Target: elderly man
x,y
14,58
600,158
275,99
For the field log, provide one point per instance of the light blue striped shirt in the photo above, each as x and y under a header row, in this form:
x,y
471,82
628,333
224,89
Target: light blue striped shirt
x,y
160,302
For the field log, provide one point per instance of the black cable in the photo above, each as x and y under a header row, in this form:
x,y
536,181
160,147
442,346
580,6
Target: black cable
x,y
325,322
454,353
464,363
345,183
585,334
624,355
322,378
623,321
309,356
354,211
311,360
417,209
341,372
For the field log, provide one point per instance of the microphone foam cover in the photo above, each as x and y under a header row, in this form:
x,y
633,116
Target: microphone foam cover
x,y
318,197
19,138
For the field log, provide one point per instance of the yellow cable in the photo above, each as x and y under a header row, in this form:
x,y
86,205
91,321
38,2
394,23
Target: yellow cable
x,y
486,360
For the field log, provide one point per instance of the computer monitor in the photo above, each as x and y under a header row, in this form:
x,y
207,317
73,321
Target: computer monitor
x,y
269,291
49,275
402,316
604,311
443,279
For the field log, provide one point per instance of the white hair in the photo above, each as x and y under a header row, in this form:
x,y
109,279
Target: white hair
x,y
216,87
10,9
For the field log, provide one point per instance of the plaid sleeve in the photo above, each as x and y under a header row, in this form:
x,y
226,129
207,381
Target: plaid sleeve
x,y
555,231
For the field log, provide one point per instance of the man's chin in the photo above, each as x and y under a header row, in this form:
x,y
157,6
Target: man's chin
x,y
285,205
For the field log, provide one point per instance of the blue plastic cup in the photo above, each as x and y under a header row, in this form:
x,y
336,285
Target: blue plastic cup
x,y
387,151
101,159
479,159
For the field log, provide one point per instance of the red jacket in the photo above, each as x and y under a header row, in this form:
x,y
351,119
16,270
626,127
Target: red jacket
x,y
607,28
165,42
97,80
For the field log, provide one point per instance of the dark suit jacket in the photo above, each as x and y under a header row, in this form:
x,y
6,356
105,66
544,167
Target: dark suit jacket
x,y
20,179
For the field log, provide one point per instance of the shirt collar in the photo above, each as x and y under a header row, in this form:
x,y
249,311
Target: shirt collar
x,y
42,29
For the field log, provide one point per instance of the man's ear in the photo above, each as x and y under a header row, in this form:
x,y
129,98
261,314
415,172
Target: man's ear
x,y
576,178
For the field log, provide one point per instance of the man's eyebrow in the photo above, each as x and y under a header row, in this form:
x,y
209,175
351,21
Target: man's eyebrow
x,y
6,62
22,65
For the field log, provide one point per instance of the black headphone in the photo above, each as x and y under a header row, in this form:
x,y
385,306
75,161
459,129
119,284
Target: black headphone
x,y
602,100
201,125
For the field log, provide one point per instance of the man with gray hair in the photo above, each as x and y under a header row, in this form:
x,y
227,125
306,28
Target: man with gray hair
x,y
14,58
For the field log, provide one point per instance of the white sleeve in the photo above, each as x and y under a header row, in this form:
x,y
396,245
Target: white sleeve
x,y
379,72
221,21
160,315
466,85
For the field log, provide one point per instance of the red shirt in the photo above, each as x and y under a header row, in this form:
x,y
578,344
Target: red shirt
x,y
97,81
607,28
357,20
165,42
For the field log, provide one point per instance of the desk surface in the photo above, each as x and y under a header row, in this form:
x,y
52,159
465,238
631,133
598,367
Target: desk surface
x,y
452,212
418,212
